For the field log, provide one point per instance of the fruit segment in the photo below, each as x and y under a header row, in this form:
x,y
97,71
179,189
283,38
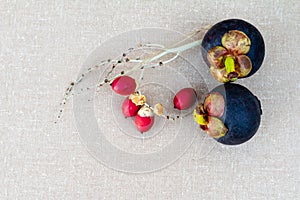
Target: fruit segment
x,y
214,104
215,127
236,41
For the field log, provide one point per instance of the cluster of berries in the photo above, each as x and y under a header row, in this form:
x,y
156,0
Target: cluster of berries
x,y
135,105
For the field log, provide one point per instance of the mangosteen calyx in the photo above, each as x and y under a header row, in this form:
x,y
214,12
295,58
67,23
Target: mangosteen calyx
x,y
229,61
208,115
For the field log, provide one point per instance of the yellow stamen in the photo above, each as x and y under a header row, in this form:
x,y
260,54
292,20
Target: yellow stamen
x,y
229,64
200,118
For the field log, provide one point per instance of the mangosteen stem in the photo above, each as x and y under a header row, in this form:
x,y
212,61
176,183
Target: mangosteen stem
x,y
165,51
177,49
142,64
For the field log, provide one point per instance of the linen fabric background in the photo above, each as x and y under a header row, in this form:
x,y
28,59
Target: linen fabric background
x,y
42,47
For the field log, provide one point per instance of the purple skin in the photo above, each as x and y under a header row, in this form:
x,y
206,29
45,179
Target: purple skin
x,y
242,113
214,35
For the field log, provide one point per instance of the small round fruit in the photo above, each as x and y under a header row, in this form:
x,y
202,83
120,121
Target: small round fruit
x,y
129,109
242,113
235,48
144,119
185,98
124,85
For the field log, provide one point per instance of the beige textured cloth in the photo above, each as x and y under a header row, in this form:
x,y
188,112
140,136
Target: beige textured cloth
x,y
42,47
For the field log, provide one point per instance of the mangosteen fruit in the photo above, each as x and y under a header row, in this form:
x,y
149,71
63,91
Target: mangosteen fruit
x,y
231,114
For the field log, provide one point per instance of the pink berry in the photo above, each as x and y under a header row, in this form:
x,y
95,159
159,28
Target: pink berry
x,y
129,109
185,98
124,85
144,119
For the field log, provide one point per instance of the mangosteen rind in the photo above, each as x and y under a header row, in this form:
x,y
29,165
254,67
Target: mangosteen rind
x,y
242,113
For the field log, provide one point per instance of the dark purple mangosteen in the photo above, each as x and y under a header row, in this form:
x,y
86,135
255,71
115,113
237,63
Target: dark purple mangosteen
x,y
230,113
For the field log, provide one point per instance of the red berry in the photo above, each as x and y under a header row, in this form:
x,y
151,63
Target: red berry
x,y
184,99
124,85
129,109
144,119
